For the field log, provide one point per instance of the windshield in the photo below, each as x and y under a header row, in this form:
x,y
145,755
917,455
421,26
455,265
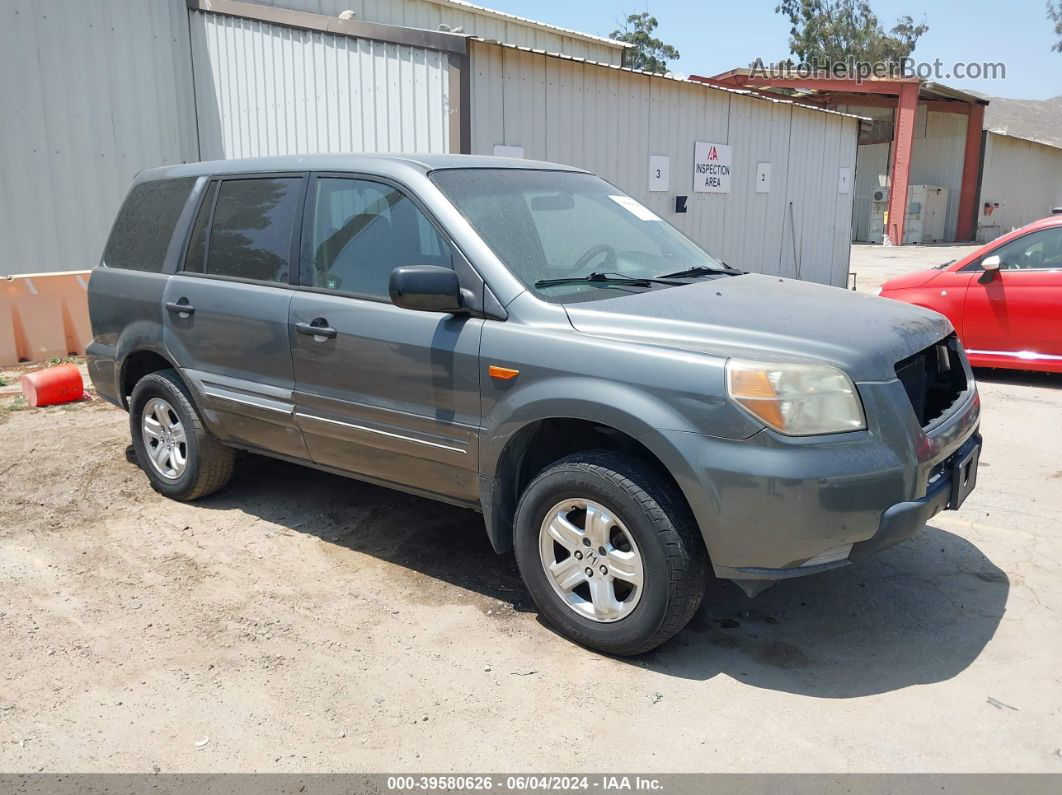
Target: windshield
x,y
556,225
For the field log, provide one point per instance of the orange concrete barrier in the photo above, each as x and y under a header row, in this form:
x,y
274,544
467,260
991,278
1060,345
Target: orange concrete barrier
x,y
61,384
43,315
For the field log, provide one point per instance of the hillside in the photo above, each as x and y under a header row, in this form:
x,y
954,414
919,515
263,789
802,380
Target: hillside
x,y
1040,120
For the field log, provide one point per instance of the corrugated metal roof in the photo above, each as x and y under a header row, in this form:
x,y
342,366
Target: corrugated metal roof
x,y
1022,138
932,90
926,88
622,45
444,14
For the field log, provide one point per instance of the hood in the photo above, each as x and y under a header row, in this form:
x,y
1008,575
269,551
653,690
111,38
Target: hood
x,y
764,317
908,280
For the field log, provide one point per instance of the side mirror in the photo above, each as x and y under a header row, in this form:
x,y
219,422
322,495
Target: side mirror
x,y
989,266
425,288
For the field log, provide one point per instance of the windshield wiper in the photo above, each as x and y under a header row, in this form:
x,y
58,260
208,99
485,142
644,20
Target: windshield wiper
x,y
605,278
700,270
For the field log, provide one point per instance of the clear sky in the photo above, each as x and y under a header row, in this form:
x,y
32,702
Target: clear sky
x,y
713,36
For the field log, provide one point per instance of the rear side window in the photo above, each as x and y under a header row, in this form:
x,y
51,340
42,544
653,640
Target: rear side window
x,y
145,224
251,236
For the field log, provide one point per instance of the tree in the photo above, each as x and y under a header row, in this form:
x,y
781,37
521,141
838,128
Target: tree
x,y
825,32
1054,13
648,53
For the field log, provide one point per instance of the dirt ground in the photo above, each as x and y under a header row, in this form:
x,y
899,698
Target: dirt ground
x,y
299,621
873,265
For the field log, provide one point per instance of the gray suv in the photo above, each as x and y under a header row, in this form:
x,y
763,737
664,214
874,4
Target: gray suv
x,y
525,340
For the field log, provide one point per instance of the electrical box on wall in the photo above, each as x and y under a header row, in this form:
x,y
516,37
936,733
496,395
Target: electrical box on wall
x,y
680,204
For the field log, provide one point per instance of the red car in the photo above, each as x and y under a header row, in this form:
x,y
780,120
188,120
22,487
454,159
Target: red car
x,y
1004,300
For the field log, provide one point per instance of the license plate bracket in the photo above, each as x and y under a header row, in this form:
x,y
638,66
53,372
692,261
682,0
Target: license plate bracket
x,y
963,477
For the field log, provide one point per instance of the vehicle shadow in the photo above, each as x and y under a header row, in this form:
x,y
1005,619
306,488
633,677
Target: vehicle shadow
x,y
995,375
438,540
918,613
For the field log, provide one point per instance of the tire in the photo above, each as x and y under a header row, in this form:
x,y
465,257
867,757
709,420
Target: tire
x,y
199,464
642,515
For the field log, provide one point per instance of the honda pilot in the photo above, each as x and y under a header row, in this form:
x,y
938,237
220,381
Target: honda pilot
x,y
523,339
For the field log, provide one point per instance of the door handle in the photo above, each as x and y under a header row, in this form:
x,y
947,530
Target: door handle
x,y
315,330
177,308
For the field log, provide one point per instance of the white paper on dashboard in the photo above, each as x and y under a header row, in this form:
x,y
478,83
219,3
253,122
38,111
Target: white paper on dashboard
x,y
635,209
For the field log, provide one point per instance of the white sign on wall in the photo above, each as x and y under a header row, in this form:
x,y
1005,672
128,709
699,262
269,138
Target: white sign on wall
x,y
501,150
659,168
763,177
711,167
844,180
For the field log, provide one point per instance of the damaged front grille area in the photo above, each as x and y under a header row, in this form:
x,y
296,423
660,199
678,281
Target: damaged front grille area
x,y
934,378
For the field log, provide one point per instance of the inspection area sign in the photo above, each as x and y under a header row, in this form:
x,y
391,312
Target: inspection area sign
x,y
711,167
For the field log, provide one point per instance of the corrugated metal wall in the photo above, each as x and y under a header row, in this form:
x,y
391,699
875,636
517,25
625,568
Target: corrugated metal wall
x,y
939,152
872,169
872,165
429,15
1023,177
265,89
96,91
609,122
92,92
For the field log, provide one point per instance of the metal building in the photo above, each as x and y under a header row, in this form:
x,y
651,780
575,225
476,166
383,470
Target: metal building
x,y
474,20
922,134
1021,181
795,222
264,88
91,93
198,79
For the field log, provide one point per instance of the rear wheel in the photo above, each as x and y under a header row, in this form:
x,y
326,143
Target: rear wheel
x,y
610,553
179,456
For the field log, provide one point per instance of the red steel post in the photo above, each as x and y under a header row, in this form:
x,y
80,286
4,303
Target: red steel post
x,y
971,164
902,147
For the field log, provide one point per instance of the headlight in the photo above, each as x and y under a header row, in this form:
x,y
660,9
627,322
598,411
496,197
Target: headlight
x,y
877,291
796,399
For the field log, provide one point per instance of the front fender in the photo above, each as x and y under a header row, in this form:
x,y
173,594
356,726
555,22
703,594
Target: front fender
x,y
622,407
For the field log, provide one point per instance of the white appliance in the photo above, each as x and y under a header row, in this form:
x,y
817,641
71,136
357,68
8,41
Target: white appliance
x,y
879,205
927,213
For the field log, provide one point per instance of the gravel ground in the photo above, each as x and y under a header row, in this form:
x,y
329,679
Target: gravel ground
x,y
299,621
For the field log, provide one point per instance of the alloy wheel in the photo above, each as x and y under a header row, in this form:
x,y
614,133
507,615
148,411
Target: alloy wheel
x,y
165,440
591,560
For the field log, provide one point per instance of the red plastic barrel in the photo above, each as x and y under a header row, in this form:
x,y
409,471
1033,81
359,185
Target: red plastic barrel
x,y
60,384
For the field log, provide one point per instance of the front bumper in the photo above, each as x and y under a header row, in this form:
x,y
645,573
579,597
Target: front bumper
x,y
905,519
774,507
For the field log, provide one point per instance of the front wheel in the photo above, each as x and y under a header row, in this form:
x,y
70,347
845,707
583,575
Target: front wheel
x,y
179,456
609,552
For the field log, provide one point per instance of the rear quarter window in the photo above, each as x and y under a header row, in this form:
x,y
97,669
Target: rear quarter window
x,y
145,224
